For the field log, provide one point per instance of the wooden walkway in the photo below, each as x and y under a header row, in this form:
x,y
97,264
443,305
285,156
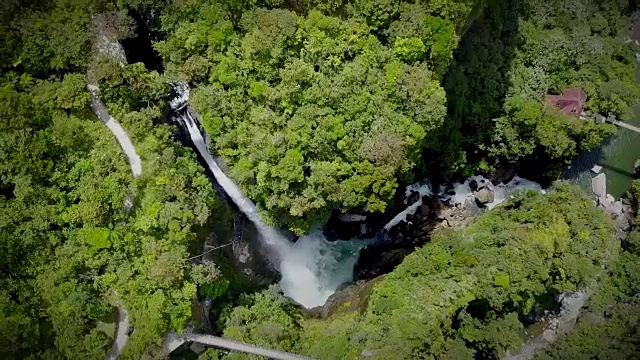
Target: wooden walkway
x,y
624,125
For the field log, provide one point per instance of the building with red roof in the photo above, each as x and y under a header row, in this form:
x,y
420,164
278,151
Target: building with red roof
x,y
571,102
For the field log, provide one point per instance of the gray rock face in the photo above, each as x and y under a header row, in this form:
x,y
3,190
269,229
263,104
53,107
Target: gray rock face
x,y
599,185
484,196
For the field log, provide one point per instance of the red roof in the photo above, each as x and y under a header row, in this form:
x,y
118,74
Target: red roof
x,y
571,102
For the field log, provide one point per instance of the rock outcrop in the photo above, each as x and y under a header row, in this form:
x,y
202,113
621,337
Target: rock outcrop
x,y
249,254
395,244
621,210
599,185
353,297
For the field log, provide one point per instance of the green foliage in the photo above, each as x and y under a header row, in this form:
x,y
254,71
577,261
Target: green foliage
x,y
264,321
70,248
409,50
565,239
48,37
377,12
460,294
437,33
314,112
518,53
610,327
530,128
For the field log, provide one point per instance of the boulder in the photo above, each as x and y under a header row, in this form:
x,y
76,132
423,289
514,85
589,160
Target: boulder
x,y
604,202
502,175
591,318
484,196
596,169
599,185
549,335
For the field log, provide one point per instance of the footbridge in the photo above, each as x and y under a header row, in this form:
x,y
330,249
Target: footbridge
x,y
624,125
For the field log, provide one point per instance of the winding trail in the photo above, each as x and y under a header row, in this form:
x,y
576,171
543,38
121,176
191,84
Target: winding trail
x,y
116,129
99,108
122,335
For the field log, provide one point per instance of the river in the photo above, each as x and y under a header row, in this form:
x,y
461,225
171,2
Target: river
x,y
616,156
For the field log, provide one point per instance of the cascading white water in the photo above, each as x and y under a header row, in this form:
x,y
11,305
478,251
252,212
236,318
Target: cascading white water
x,y
312,268
463,192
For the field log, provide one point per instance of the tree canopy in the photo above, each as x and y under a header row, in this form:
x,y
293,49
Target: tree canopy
x,y
313,111
328,107
71,248
317,106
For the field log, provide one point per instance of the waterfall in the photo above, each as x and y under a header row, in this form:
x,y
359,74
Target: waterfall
x,y
312,268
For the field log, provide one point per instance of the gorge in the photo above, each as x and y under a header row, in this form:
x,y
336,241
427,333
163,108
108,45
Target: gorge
x,y
336,180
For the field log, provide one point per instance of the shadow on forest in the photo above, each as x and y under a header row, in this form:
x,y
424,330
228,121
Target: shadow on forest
x,y
476,85
139,48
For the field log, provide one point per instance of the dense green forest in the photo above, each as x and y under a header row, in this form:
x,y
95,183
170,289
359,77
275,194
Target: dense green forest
x,y
315,110
460,294
316,106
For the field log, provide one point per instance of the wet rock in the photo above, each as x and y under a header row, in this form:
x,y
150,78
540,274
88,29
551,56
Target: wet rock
x,y
249,254
502,175
352,218
413,197
424,210
400,239
473,185
484,196
379,260
350,226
